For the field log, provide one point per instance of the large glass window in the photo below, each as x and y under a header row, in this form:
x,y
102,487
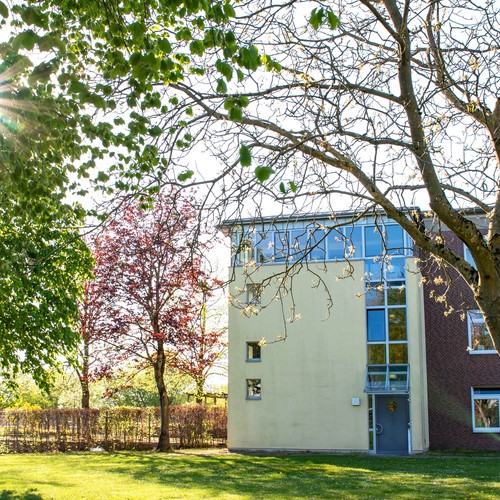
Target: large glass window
x,y
395,239
486,410
376,325
373,242
265,247
480,341
336,245
317,243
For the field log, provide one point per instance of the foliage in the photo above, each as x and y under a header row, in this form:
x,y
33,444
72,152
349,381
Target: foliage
x,y
35,430
44,260
149,267
378,105
231,476
27,394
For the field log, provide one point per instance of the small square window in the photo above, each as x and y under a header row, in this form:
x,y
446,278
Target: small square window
x,y
253,388
254,293
479,338
253,351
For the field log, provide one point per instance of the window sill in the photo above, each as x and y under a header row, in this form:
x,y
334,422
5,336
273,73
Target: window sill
x,y
256,360
487,430
485,351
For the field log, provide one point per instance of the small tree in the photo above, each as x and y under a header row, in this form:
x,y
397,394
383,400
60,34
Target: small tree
x,y
203,343
151,270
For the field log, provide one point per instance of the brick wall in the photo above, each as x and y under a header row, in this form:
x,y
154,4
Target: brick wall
x,y
451,370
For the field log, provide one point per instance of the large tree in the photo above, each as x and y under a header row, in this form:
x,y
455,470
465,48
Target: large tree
x,y
154,280
388,103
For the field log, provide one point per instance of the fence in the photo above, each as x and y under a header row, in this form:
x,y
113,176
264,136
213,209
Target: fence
x,y
191,426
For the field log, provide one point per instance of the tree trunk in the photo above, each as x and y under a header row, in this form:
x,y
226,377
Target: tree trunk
x,y
159,369
84,376
200,385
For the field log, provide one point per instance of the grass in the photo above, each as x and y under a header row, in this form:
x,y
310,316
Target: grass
x,y
139,475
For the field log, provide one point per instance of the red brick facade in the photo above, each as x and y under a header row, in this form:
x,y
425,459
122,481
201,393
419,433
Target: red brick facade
x,y
451,371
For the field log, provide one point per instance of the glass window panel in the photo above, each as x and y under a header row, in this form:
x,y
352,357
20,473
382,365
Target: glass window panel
x,y
398,378
253,350
265,247
395,240
480,338
468,257
376,378
370,412
486,413
395,269
373,270
396,294
376,325
397,324
375,295
242,248
298,243
336,245
354,244
253,389
376,354
398,354
373,242
280,245
317,245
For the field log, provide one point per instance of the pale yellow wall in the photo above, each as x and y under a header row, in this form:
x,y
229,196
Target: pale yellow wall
x,y
416,353
309,380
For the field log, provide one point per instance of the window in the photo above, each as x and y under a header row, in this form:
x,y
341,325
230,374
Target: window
x,y
254,293
253,388
480,341
486,412
468,256
253,351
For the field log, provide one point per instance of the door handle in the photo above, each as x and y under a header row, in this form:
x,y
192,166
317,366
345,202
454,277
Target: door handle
x,y
379,428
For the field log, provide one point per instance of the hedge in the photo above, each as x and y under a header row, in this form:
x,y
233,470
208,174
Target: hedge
x,y
191,426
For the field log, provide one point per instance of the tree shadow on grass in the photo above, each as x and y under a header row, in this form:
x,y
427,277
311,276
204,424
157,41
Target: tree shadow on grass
x,y
320,476
12,495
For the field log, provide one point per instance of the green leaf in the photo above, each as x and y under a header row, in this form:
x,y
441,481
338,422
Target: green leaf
x,y
26,39
245,156
185,175
221,86
293,186
333,20
316,19
224,69
4,10
229,10
197,47
135,58
236,114
249,58
282,187
165,46
263,173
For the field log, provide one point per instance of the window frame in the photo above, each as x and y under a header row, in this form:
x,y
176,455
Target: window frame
x,y
469,335
476,394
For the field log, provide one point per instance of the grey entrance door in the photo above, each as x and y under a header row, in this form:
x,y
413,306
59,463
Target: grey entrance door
x,y
392,418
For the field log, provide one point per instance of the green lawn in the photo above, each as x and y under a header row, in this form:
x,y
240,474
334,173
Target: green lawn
x,y
230,476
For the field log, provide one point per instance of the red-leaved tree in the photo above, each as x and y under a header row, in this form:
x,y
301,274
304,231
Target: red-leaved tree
x,y
150,269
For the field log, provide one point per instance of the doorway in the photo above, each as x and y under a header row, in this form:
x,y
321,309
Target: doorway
x,y
392,423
